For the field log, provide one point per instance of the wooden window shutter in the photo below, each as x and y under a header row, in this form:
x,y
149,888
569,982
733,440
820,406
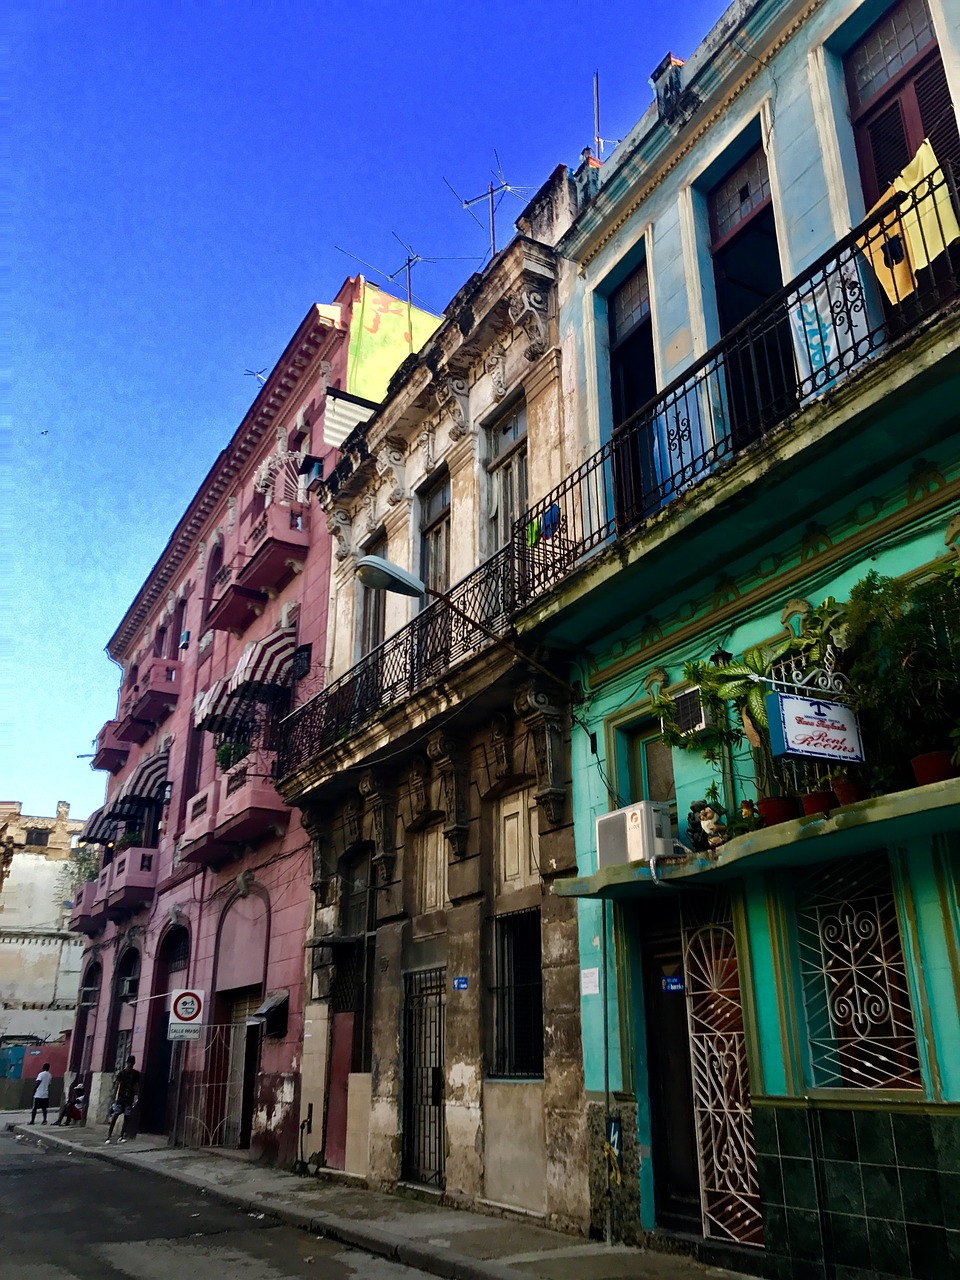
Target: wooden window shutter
x,y
937,113
887,147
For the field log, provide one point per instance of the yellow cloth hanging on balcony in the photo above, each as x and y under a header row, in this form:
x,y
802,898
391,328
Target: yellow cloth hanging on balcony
x,y
928,218
885,248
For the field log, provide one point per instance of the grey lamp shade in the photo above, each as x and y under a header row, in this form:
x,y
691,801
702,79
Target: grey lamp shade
x,y
382,575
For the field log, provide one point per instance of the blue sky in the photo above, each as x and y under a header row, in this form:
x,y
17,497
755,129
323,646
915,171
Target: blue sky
x,y
182,173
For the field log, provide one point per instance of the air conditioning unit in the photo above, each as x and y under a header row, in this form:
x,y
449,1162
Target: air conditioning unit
x,y
634,834
88,997
690,713
128,988
184,639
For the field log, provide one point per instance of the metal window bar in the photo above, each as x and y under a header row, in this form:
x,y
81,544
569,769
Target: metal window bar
x,y
423,1077
518,1046
860,1024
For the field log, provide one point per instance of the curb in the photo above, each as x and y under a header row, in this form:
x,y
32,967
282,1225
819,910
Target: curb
x,y
366,1236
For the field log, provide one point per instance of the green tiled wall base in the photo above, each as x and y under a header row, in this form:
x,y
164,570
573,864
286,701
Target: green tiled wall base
x,y
873,1194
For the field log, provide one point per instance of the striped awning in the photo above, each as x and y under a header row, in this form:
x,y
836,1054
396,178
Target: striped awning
x,y
144,786
218,708
98,829
265,666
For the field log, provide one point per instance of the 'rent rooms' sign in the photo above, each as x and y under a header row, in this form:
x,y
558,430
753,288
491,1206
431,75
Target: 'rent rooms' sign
x,y
813,727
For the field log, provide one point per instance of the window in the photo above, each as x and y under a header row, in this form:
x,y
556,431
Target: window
x,y
508,478
860,1024
38,836
432,870
899,96
300,662
518,842
518,1048
632,369
373,606
160,642
177,630
435,535
651,771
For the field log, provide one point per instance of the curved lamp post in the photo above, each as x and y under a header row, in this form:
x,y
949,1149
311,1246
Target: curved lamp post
x,y
379,574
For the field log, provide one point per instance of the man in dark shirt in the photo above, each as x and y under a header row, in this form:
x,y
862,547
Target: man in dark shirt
x,y
126,1095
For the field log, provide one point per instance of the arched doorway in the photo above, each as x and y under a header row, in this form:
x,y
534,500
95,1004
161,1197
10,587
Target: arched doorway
x,y
161,1061
126,980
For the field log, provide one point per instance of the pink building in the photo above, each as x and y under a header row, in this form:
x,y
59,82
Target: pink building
x,y
204,872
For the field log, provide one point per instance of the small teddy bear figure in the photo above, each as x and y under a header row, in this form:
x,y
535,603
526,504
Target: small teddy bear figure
x,y
713,828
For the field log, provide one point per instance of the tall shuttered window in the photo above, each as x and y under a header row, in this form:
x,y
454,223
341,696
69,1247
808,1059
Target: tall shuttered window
x,y
899,96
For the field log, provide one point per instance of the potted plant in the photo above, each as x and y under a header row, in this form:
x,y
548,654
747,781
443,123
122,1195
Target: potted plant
x,y
846,784
230,753
129,840
904,642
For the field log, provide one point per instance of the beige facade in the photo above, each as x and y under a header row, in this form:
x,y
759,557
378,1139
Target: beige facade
x,y
39,957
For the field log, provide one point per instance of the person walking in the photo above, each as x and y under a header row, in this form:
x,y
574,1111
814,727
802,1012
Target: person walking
x,y
41,1095
126,1095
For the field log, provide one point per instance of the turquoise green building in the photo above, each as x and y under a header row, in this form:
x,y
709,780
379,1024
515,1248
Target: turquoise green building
x,y
761,300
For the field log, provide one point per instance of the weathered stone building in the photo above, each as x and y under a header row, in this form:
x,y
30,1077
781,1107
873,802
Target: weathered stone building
x,y
39,956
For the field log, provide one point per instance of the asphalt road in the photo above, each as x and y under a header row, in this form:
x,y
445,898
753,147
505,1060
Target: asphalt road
x,y
69,1217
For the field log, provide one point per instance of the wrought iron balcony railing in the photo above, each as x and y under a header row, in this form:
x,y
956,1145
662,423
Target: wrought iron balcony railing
x,y
414,657
877,284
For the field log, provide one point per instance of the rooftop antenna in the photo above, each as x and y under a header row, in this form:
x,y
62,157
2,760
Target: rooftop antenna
x,y
259,374
406,266
598,142
494,189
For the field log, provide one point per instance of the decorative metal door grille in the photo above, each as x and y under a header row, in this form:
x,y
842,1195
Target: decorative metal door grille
x,y
209,1092
859,1018
423,1083
729,1190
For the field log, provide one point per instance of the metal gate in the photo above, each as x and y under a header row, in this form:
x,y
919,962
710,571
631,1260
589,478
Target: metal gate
x,y
729,1189
423,1084
210,1094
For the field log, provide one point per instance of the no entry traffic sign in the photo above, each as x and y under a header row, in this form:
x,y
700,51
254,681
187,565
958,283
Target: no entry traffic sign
x,y
186,1015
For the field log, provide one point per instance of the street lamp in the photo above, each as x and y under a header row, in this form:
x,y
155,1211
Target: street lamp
x,y
379,574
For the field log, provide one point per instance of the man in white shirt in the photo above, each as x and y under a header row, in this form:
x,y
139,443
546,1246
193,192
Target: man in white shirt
x,y
41,1096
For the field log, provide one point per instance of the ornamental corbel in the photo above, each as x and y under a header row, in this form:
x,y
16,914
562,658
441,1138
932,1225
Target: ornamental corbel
x,y
324,370
496,366
501,739
231,512
420,788
390,468
452,395
381,803
339,523
368,501
426,443
544,722
528,311
450,764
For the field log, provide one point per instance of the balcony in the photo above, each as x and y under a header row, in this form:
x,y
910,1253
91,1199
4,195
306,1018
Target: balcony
x,y
158,690
111,752
250,808
95,895
277,546
198,843
828,323
130,727
235,606
85,917
133,881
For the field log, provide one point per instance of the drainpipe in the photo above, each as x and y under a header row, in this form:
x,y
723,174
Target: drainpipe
x,y
608,1223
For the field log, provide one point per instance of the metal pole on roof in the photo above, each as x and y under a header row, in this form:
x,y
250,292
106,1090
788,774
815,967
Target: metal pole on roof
x,y
596,114
493,228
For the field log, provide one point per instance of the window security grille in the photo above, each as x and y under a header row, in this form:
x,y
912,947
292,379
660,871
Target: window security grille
x,y
300,662
37,836
860,1024
518,1047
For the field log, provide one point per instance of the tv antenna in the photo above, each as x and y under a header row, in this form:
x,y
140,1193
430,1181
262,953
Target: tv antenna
x,y
598,142
259,374
500,187
409,262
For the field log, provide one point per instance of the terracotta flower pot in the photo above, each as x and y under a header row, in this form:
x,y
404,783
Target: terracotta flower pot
x,y
848,791
818,802
933,766
776,809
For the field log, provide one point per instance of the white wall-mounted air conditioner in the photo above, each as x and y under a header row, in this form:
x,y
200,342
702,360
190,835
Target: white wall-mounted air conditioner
x,y
634,834
128,988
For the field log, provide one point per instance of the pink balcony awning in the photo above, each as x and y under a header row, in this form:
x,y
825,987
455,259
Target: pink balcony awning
x,y
218,708
145,786
265,666
98,828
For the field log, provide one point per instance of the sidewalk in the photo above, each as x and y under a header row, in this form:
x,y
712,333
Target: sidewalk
x,y
452,1243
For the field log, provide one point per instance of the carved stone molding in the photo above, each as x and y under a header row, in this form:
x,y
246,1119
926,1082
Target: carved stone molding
x,y
528,311
352,821
544,721
496,366
324,370
501,738
451,392
426,442
420,788
390,468
450,763
339,523
381,803
656,680
231,511
368,501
